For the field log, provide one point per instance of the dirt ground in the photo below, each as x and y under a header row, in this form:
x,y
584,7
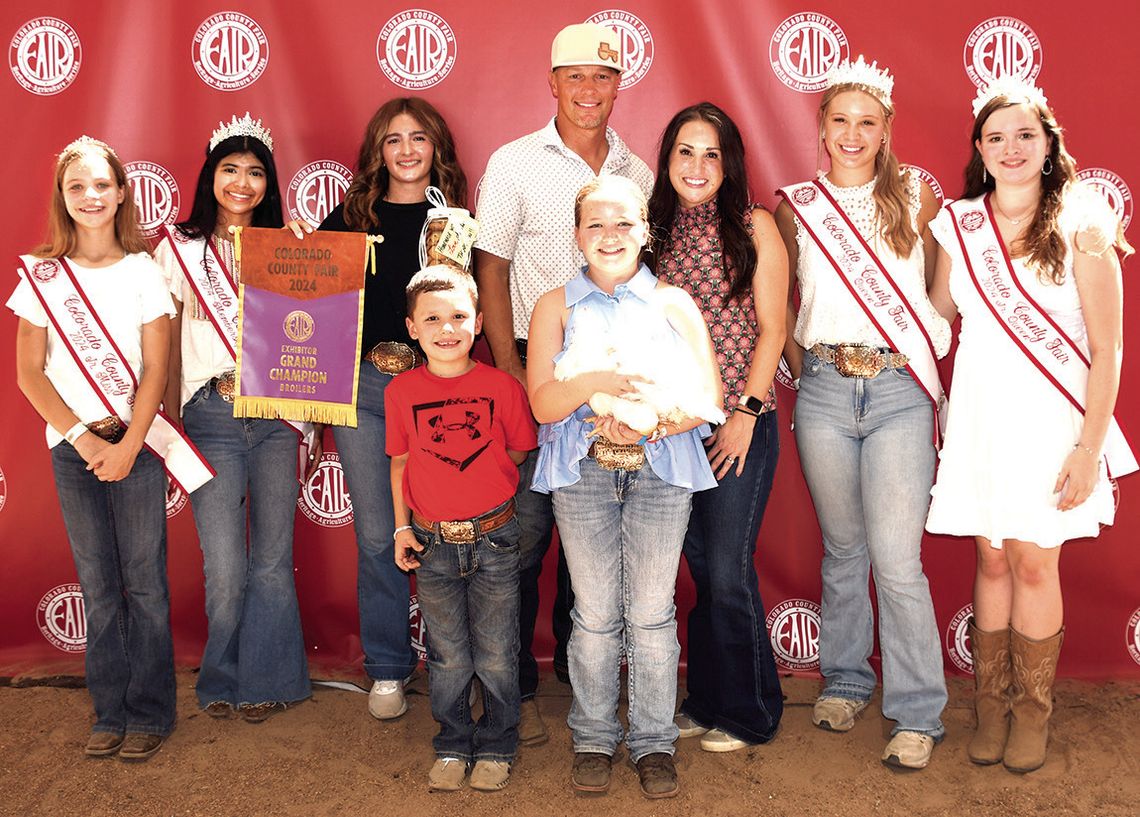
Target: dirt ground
x,y
328,757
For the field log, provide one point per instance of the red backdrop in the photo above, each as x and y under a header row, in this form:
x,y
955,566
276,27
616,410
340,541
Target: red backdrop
x,y
153,79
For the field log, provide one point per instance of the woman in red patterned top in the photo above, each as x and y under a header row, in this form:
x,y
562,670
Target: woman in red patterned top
x,y
728,255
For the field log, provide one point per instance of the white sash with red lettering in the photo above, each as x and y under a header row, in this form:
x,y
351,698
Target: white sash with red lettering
x,y
214,287
107,373
870,285
1029,327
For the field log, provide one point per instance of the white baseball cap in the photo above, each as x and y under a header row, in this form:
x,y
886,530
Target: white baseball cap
x,y
587,44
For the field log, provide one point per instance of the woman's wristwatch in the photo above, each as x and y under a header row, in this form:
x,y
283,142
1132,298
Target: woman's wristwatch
x,y
752,405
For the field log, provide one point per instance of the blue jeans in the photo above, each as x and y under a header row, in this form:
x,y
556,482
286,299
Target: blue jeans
x,y
622,532
868,458
732,680
254,649
469,598
117,532
382,589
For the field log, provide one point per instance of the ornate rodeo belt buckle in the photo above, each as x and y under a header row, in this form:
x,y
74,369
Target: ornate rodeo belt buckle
x,y
110,429
459,532
390,357
858,361
615,457
225,386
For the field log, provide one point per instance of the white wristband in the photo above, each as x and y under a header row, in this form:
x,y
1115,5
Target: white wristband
x,y
401,528
74,433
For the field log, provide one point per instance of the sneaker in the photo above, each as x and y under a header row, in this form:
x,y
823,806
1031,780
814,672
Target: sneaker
x,y
836,714
532,731
591,771
386,700
689,727
257,713
139,746
222,710
490,775
103,744
716,740
658,775
909,750
447,773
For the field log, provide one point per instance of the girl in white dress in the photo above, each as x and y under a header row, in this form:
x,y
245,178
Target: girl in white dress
x,y
1023,469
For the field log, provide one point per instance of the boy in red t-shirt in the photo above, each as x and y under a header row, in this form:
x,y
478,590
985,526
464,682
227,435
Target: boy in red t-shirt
x,y
456,431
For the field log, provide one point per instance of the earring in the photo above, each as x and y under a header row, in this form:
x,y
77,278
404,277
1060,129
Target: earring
x,y
1048,164
985,178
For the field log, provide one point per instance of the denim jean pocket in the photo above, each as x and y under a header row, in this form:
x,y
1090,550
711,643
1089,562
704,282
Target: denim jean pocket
x,y
811,365
426,538
506,538
902,373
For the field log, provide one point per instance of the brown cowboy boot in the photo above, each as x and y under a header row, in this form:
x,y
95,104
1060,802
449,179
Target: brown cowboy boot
x,y
1031,704
993,676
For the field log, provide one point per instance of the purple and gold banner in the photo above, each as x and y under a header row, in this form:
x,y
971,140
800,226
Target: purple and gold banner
x,y
301,303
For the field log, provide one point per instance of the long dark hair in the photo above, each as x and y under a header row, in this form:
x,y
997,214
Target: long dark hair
x,y
371,180
732,198
203,216
1042,243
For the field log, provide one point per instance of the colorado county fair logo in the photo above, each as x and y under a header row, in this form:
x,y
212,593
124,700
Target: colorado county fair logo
x,y
1001,47
416,49
3,490
176,499
324,498
230,51
1132,635
804,48
793,629
928,177
636,43
958,640
1113,188
417,628
784,375
60,616
156,195
316,190
45,55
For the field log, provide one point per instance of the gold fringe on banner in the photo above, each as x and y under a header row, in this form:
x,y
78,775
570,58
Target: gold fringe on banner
x,y
302,411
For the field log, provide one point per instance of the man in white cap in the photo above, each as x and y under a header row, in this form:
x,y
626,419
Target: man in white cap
x,y
525,248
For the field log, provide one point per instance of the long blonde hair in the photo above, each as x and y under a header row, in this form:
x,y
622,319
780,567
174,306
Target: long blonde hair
x,y
892,206
62,237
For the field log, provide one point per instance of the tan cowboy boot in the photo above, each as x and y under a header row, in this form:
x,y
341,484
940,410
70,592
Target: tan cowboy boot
x,y
1031,703
993,676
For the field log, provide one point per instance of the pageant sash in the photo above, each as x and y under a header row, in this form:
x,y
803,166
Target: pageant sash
x,y
1029,327
870,285
213,286
301,308
103,366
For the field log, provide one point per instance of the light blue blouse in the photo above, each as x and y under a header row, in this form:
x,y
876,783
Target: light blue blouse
x,y
678,459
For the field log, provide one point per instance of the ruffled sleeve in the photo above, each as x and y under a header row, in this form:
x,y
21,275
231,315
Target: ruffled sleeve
x,y
1085,209
942,228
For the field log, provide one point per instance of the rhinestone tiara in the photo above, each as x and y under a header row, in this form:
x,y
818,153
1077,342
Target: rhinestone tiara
x,y
245,126
876,81
83,143
1012,88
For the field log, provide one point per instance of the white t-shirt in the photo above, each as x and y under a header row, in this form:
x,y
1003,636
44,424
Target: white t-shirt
x,y
204,356
526,210
125,295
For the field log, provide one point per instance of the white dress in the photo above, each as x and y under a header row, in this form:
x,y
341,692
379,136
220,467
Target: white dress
x,y
1009,430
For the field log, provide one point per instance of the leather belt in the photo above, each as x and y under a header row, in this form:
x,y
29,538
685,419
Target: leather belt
x,y
616,457
463,532
393,357
110,429
857,360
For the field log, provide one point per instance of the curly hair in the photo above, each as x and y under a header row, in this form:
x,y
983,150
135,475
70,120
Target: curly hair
x,y
1043,244
892,211
732,197
371,180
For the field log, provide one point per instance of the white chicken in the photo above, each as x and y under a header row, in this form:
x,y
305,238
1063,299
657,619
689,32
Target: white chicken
x,y
674,390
